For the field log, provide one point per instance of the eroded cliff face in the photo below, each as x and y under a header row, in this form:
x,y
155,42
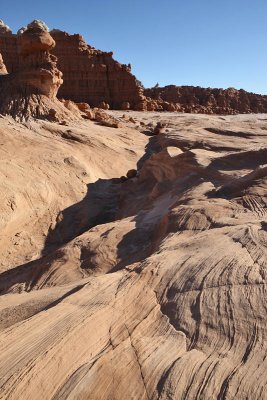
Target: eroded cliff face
x,y
210,101
90,75
31,90
93,76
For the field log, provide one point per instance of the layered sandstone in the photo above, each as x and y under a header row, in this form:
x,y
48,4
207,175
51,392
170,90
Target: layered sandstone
x,y
31,91
90,75
209,101
148,287
94,77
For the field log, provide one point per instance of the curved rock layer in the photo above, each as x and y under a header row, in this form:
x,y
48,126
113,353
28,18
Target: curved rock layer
x,y
151,287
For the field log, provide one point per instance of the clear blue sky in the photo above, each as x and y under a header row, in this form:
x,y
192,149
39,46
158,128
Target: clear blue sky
x,y
216,43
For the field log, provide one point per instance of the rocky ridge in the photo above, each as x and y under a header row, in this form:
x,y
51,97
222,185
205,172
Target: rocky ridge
x,y
94,77
192,99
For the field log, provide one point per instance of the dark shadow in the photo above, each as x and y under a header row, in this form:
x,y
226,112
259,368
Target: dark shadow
x,y
99,206
151,147
245,160
217,131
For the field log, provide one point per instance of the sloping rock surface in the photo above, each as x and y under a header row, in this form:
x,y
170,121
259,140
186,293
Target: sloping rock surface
x,y
152,287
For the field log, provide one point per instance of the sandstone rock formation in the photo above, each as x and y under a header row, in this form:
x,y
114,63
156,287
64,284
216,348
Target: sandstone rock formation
x,y
152,287
209,101
4,29
32,90
3,70
94,77
90,75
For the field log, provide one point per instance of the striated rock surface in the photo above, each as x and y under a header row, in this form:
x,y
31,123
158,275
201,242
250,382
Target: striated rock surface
x,y
151,287
93,76
90,75
209,101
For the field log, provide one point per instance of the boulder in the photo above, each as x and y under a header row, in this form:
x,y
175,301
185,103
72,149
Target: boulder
x,y
131,173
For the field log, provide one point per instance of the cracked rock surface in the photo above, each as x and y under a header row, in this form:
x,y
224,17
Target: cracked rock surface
x,y
152,287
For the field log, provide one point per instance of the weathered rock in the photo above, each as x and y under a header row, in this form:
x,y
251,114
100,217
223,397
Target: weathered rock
x,y
103,105
147,288
97,76
159,128
105,119
32,90
125,105
208,101
4,29
3,70
131,173
84,107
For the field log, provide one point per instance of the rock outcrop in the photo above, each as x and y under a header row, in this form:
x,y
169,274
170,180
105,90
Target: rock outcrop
x,y
3,70
90,75
31,91
94,77
4,29
146,287
192,99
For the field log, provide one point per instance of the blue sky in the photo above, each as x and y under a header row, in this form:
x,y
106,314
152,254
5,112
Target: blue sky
x,y
209,43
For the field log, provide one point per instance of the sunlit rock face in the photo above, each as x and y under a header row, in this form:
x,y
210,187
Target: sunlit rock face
x,y
193,99
37,66
3,70
30,90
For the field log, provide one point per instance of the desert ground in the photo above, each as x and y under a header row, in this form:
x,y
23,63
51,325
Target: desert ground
x,y
146,287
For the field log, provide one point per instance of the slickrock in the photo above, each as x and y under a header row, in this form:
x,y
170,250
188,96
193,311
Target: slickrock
x,y
152,287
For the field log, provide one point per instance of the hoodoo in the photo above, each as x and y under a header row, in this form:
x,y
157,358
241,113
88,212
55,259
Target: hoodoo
x,y
31,90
